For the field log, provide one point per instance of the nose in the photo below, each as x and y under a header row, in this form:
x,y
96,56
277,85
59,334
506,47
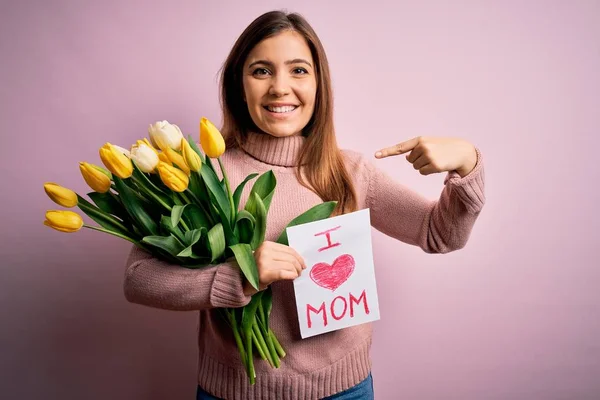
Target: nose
x,y
279,86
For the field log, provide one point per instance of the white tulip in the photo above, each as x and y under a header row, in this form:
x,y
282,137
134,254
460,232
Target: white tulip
x,y
163,135
144,157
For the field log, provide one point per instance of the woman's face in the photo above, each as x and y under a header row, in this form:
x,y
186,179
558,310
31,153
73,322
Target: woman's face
x,y
280,85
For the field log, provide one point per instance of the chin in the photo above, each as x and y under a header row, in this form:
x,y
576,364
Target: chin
x,y
282,131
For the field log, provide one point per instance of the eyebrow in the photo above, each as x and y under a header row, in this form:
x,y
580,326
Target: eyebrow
x,y
269,63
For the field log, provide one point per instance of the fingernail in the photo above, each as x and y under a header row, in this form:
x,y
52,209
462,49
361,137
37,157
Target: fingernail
x,y
378,154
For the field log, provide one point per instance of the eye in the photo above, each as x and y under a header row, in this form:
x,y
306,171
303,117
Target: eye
x,y
260,72
300,71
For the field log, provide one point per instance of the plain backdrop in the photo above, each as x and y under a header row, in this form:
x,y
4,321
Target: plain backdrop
x,y
514,315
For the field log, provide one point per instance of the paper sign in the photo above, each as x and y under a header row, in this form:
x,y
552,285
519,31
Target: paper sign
x,y
337,289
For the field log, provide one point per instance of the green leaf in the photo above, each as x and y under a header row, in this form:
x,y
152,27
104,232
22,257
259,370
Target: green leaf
x,y
245,259
150,188
238,191
260,225
249,311
197,187
230,236
216,241
267,301
203,194
196,216
244,226
264,187
214,186
316,213
176,214
168,243
135,208
191,238
209,164
106,202
166,225
104,219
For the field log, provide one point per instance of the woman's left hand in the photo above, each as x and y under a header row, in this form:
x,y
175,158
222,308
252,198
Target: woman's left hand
x,y
431,155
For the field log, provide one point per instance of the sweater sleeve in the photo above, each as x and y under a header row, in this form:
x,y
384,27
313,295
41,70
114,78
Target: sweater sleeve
x,y
438,226
156,283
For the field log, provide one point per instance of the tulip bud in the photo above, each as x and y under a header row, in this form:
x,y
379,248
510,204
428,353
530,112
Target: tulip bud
x,y
61,195
95,177
177,159
63,221
165,135
211,139
116,161
123,150
144,156
192,159
175,179
163,157
146,142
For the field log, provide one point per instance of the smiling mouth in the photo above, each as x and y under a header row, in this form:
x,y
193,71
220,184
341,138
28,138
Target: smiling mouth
x,y
280,109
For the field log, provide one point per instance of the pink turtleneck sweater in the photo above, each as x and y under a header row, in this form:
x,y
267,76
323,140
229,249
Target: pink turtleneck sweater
x,y
322,365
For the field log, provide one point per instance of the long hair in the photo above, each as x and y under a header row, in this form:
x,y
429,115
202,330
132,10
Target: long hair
x,y
321,163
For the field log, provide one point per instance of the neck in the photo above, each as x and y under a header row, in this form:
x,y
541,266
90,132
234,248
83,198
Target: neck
x,y
280,151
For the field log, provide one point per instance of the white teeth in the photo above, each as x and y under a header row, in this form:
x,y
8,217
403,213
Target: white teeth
x,y
281,109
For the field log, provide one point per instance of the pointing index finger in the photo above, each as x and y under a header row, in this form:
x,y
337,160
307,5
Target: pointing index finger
x,y
399,148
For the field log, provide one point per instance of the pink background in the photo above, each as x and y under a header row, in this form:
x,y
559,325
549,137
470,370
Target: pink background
x,y
514,315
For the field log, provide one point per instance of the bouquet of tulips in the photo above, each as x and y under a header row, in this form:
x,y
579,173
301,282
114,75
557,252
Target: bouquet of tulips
x,y
166,196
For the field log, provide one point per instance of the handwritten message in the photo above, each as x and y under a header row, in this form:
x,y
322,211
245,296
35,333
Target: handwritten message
x,y
338,288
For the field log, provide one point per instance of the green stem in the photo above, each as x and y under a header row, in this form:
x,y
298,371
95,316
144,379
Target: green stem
x,y
249,359
184,197
229,193
95,228
280,349
152,194
272,349
271,346
262,345
258,346
236,335
184,225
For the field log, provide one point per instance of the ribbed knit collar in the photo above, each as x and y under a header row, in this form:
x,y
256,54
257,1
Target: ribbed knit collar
x,y
280,151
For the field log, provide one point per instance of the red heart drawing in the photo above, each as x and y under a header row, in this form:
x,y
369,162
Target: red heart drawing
x,y
332,276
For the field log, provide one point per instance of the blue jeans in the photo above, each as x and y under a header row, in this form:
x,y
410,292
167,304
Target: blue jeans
x,y
362,391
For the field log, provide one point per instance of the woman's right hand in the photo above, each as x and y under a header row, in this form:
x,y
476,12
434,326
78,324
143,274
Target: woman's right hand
x,y
275,262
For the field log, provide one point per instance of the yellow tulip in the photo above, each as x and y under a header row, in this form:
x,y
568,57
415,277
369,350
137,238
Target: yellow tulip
x,y
61,195
63,221
176,159
116,162
211,139
192,159
163,157
174,178
94,177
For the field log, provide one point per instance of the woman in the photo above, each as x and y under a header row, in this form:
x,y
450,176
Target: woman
x,y
277,106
